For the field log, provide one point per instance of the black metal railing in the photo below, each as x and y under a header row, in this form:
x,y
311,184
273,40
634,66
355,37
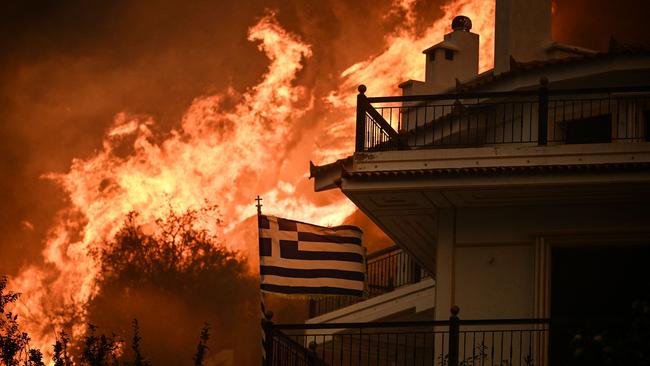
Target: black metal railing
x,y
281,349
386,270
539,116
442,343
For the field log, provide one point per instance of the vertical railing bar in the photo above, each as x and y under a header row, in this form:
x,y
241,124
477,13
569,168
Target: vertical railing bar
x,y
634,118
442,350
530,344
510,347
514,114
322,352
501,348
530,123
360,345
433,126
483,346
520,344
396,347
333,358
378,348
433,346
521,124
476,141
503,127
473,347
492,349
351,336
426,105
503,111
464,345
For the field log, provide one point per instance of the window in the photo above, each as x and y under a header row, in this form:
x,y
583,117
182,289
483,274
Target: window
x,y
589,130
432,55
449,54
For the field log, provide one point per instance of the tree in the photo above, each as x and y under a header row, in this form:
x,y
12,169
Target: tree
x,y
202,347
99,350
138,359
13,342
173,277
60,357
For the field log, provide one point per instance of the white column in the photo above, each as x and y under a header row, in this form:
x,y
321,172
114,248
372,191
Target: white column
x,y
445,263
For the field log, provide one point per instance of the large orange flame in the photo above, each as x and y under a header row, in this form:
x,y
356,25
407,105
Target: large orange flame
x,y
229,147
402,59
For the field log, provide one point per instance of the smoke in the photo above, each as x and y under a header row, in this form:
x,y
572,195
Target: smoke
x,y
591,24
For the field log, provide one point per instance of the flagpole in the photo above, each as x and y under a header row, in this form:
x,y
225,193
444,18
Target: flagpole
x,y
267,330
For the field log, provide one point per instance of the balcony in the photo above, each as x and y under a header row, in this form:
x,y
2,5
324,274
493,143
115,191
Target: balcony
x,y
526,117
386,270
452,342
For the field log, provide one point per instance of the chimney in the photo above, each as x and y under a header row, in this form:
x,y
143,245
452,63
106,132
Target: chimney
x,y
523,31
455,58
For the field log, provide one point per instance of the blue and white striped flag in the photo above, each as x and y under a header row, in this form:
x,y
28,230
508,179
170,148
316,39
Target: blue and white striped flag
x,y
303,259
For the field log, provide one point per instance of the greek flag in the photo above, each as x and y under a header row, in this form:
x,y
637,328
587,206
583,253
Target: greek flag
x,y
303,259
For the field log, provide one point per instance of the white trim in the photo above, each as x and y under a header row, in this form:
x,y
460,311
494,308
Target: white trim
x,y
420,296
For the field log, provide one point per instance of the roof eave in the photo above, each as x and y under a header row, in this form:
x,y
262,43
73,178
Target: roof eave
x,y
329,176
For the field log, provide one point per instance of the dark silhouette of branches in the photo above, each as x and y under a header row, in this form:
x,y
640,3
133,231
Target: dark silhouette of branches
x,y
175,267
175,255
99,350
138,359
202,347
6,298
170,267
14,344
35,358
60,357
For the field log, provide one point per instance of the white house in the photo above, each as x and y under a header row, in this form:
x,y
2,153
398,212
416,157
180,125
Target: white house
x,y
524,191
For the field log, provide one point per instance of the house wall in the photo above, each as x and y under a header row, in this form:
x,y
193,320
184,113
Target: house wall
x,y
488,261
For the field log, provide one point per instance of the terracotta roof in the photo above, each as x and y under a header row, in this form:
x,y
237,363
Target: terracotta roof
x,y
517,68
315,170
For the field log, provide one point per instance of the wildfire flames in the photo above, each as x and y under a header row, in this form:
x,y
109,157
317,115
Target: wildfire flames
x,y
227,148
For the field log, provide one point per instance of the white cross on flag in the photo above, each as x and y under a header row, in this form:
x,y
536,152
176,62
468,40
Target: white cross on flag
x,y
304,259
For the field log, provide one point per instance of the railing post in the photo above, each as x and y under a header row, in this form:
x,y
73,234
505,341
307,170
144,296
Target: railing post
x,y
267,326
542,120
454,335
361,119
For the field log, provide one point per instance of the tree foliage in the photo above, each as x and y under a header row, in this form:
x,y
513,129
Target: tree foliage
x,y
176,271
176,255
202,347
60,350
138,358
14,344
99,350
173,274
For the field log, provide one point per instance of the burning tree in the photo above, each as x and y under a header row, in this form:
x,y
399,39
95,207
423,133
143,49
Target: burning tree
x,y
173,277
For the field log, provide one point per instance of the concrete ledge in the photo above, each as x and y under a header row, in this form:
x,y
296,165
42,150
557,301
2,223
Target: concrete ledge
x,y
502,155
420,296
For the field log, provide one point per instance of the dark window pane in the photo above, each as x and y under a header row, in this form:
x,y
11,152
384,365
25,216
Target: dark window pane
x,y
589,130
449,54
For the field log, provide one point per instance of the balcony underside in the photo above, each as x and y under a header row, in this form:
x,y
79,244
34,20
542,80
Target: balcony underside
x,y
403,191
